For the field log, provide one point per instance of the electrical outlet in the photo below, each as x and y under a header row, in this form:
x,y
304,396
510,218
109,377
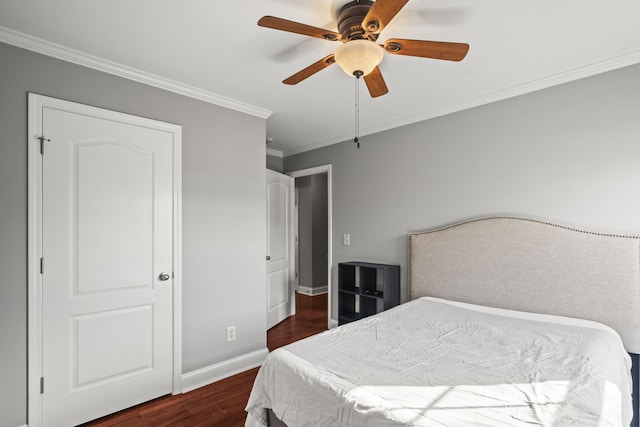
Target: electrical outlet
x,y
346,239
231,333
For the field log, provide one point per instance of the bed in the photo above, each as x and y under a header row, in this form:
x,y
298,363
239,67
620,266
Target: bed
x,y
511,322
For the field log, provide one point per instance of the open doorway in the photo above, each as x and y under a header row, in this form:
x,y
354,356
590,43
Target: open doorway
x,y
312,224
312,249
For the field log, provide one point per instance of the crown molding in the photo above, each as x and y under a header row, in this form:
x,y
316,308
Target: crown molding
x,y
274,153
57,51
521,89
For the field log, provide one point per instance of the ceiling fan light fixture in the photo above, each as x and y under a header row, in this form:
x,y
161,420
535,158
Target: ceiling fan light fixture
x,y
359,57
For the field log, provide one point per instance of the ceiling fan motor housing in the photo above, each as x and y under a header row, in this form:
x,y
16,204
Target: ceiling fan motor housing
x,y
350,20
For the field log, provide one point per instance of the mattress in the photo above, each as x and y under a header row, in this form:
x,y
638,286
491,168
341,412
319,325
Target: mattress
x,y
431,362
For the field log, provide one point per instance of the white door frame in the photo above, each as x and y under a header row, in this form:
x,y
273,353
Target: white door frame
x,y
34,240
314,171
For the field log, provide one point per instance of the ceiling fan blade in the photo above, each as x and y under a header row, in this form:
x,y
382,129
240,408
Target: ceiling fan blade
x,y
381,13
298,28
375,83
310,70
427,49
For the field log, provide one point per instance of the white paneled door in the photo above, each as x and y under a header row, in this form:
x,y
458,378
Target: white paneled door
x,y
107,280
280,267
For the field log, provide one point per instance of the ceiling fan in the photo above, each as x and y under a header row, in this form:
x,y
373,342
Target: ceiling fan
x,y
359,25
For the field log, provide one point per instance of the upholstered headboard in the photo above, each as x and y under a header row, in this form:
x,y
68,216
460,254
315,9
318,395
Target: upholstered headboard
x,y
535,266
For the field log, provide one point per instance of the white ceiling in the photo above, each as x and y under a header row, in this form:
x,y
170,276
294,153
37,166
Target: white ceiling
x,y
215,51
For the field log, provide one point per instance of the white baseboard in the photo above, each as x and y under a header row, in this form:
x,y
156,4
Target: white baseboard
x,y
313,291
219,371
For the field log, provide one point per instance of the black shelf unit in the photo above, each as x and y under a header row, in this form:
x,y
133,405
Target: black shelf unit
x,y
366,288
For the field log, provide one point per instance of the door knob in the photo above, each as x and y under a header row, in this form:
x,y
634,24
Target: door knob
x,y
268,258
164,276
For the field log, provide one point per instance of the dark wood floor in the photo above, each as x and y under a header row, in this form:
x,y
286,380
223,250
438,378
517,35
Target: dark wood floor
x,y
222,403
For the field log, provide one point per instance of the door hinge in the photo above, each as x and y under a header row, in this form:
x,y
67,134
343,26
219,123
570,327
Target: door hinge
x,y
42,141
41,265
41,385
296,274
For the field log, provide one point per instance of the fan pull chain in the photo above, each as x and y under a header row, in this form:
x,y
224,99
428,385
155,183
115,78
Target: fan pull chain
x,y
357,97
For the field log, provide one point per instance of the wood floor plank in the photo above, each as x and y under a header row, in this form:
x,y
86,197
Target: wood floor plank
x,y
222,403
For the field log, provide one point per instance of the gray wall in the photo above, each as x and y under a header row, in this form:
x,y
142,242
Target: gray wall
x,y
305,231
275,163
319,229
223,213
312,230
570,154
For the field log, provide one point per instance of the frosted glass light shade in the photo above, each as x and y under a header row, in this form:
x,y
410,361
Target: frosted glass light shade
x,y
359,56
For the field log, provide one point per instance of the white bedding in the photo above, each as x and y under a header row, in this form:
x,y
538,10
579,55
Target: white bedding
x,y
432,363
